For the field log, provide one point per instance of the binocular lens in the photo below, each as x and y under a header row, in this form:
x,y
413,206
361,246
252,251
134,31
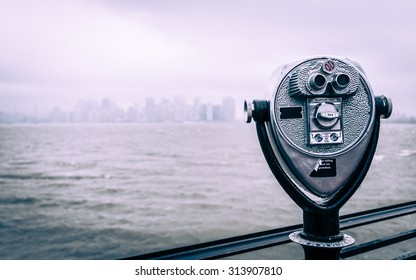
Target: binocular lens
x,y
342,80
317,81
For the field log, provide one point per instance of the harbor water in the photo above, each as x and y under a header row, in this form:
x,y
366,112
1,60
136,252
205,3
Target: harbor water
x,y
109,191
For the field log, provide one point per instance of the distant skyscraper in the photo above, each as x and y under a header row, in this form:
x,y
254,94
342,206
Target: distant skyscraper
x,y
228,109
197,112
217,112
209,112
149,102
151,113
180,112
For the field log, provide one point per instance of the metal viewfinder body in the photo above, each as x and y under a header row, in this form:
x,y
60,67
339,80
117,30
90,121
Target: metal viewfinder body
x,y
321,126
319,133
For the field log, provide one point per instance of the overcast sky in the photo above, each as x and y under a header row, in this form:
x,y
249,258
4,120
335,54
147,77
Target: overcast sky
x,y
53,52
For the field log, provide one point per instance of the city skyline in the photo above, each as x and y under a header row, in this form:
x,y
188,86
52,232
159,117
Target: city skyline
x,y
151,109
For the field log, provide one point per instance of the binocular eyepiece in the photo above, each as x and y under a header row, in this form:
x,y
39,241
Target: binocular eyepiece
x,y
317,82
327,78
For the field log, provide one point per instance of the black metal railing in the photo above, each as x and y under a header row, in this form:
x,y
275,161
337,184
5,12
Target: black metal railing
x,y
256,241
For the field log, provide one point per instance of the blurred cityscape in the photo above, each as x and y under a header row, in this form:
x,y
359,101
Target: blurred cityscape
x,y
106,110
149,110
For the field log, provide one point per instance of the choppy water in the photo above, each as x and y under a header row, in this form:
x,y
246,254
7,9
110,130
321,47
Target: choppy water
x,y
106,191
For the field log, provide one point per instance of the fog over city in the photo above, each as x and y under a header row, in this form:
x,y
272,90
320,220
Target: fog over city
x,y
106,110
54,53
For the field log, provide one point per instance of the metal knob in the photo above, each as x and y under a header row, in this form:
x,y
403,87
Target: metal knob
x,y
384,106
326,115
257,110
248,111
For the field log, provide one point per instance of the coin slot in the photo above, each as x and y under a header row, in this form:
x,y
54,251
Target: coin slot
x,y
291,113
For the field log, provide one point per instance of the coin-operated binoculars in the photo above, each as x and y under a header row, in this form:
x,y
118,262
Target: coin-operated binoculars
x,y
319,133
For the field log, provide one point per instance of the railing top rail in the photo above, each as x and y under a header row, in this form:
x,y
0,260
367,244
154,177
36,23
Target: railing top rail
x,y
260,240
